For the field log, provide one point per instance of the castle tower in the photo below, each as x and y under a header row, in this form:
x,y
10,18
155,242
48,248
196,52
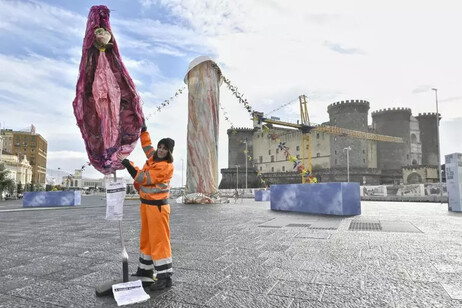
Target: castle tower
x,y
350,114
237,139
393,122
428,138
236,146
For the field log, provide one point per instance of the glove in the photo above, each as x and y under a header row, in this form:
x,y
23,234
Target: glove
x,y
143,126
121,157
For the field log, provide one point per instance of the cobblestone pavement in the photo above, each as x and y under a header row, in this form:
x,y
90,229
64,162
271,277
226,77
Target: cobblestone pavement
x,y
239,255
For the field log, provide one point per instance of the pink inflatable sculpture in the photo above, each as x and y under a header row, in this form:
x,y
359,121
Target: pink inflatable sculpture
x,y
107,106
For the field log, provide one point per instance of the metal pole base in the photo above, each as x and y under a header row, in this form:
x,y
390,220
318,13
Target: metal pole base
x,y
105,289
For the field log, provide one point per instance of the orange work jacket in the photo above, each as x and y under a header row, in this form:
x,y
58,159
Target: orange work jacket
x,y
154,178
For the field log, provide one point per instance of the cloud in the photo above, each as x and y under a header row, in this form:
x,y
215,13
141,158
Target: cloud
x,y
209,17
154,37
169,50
66,155
422,89
37,24
33,87
451,99
338,48
147,3
388,54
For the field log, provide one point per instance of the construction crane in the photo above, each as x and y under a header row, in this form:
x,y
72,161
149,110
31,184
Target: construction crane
x,y
305,126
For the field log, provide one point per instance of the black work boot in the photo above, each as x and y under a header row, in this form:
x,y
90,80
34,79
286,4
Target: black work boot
x,y
144,273
160,284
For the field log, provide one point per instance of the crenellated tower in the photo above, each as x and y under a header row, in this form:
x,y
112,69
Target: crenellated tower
x,y
393,122
350,114
236,145
237,139
428,137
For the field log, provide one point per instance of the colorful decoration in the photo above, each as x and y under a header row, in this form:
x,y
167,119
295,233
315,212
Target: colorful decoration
x,y
297,163
238,95
106,106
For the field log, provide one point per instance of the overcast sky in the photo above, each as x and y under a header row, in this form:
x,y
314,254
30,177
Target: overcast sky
x,y
390,53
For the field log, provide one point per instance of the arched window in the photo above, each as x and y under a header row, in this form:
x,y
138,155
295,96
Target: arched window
x,y
414,178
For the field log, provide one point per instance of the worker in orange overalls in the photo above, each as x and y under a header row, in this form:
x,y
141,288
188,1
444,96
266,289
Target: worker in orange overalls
x,y
154,179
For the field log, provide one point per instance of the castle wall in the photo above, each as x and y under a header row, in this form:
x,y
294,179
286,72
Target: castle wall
x,y
420,174
268,157
371,154
416,146
371,162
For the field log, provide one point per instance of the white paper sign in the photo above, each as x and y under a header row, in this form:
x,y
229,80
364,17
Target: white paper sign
x,y
131,292
115,195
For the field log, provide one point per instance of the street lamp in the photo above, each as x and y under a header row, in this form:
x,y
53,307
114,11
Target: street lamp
x,y
246,157
348,149
237,176
438,143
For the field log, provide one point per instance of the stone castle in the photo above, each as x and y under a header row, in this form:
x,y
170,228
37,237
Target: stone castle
x,y
370,162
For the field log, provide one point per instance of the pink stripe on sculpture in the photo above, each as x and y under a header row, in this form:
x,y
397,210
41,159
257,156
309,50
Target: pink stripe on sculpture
x,y
106,106
203,79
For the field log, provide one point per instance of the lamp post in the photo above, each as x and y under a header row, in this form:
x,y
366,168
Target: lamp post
x,y
348,149
438,144
246,157
237,176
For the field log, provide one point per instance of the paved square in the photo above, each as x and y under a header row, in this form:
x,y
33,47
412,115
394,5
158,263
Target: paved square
x,y
238,255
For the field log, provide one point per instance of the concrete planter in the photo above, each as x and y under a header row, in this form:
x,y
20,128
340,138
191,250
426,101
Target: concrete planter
x,y
51,198
340,199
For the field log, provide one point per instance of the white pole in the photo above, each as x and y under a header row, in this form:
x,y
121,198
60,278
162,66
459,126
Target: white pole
x,y
237,176
438,144
348,166
246,157
348,162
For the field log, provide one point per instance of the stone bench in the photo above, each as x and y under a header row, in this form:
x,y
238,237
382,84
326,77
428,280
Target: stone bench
x,y
342,199
262,195
51,198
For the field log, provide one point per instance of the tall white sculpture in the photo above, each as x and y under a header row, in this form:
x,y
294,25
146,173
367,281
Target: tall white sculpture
x,y
203,79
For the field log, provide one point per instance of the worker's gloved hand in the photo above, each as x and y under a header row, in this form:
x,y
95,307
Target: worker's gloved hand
x,y
121,156
143,126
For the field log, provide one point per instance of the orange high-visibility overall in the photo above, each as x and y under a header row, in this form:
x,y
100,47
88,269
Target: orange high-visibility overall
x,y
154,180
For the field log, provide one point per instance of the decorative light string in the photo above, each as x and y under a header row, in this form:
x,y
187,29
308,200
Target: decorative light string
x,y
166,102
282,106
225,114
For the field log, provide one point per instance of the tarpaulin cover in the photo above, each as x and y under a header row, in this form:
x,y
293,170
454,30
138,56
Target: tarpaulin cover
x,y
107,106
